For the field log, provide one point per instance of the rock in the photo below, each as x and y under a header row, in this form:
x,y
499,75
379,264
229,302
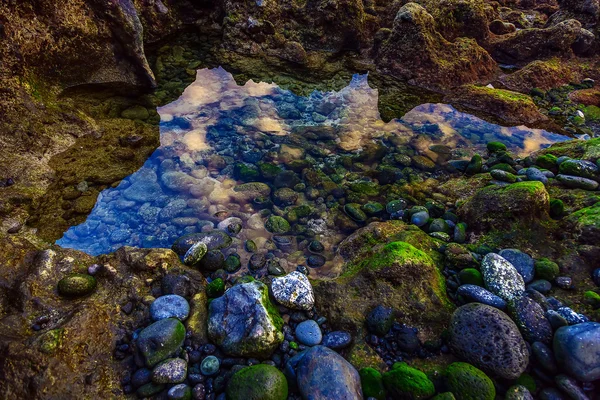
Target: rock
x,y
545,356
534,174
169,306
419,218
309,333
576,182
474,165
257,261
501,278
380,320
244,322
586,224
487,338
172,370
472,293
495,207
518,392
337,340
293,291
353,210
232,225
277,225
285,197
531,320
214,240
522,262
581,168
546,269
180,392
141,377
404,382
212,261
324,374
161,340
467,382
416,51
499,27
76,285
577,350
503,176
258,382
210,366
195,253
471,276
570,387
372,383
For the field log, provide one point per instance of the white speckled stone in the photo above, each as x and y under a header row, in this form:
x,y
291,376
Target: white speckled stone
x,y
293,291
501,277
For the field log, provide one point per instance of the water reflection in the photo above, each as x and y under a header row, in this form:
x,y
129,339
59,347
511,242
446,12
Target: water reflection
x,y
219,134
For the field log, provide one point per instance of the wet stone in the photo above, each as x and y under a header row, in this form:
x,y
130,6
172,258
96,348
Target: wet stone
x,y
169,306
257,261
161,340
309,333
337,340
477,294
195,253
210,366
293,291
173,370
76,285
315,260
501,277
522,262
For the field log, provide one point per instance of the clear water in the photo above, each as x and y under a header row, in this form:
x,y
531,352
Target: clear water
x,y
184,188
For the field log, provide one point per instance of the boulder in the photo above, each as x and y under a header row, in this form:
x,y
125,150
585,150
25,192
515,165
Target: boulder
x,y
417,52
160,340
487,338
243,322
577,350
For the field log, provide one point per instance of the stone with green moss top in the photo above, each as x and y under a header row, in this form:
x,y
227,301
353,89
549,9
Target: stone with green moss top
x,y
546,269
503,176
557,208
50,341
547,161
215,288
468,382
372,383
406,382
244,322
494,147
366,188
470,276
258,382
592,298
587,224
76,285
504,167
444,396
169,332
278,225
526,381
592,113
474,166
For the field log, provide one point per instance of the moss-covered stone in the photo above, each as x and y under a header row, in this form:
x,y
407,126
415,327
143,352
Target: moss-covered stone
x,y
474,166
494,147
547,161
406,382
216,288
278,225
258,382
469,383
50,341
470,276
557,208
169,332
592,298
527,381
372,383
546,269
76,285
587,224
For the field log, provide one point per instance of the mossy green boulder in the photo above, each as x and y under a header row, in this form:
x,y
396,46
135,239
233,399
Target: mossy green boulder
x,y
494,147
161,340
277,225
546,269
404,382
470,276
468,382
474,166
557,208
216,288
547,161
76,285
586,224
258,382
372,383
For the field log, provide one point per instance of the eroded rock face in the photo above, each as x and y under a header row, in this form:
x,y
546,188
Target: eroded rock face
x,y
72,355
415,51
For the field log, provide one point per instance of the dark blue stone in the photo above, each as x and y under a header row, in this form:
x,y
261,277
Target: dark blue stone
x,y
337,340
477,294
523,263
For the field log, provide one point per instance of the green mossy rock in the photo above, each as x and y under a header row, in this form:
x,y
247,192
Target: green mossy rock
x,y
169,332
474,166
592,298
494,147
216,288
503,167
404,382
136,112
277,225
557,208
547,161
546,269
372,383
470,276
444,396
587,224
76,285
468,383
527,381
258,382
495,207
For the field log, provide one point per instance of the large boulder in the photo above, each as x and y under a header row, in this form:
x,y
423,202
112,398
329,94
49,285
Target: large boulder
x,y
398,275
417,52
497,207
487,338
244,322
577,350
321,373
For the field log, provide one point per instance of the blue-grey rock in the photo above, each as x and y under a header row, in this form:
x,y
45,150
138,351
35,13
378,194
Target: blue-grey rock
x,y
323,374
555,319
577,350
419,218
596,276
210,365
551,394
309,333
169,306
214,240
576,182
180,392
570,387
244,322
564,282
531,320
293,291
337,340
477,294
487,338
141,377
562,159
534,174
571,316
195,253
523,263
501,277
380,320
172,370
540,285
580,168
545,356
